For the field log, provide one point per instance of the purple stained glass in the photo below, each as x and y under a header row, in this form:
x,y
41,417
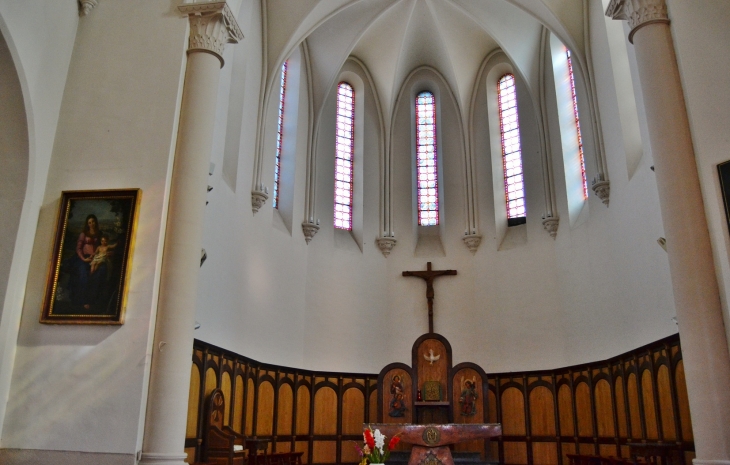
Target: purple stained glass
x,y
426,157
344,152
577,125
511,152
279,136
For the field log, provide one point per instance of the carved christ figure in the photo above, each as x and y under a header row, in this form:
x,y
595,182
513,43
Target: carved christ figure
x,y
429,275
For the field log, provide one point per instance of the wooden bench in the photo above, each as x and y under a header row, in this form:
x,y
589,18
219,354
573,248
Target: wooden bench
x,y
221,445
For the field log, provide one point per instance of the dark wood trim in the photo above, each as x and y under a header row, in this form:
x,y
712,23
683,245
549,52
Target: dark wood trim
x,y
635,362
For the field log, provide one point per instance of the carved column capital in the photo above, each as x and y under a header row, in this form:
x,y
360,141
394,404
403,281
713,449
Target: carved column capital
x,y
258,199
386,244
472,242
638,13
550,224
212,26
309,229
87,6
602,189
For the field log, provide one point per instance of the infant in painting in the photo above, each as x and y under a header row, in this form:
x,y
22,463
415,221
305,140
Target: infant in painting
x,y
100,255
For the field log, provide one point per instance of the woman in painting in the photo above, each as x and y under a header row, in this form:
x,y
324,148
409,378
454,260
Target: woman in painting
x,y
86,286
397,399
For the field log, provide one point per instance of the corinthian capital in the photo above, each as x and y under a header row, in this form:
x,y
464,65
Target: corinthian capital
x,y
212,26
638,13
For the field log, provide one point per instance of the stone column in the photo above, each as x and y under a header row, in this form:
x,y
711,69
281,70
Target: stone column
x,y
696,294
212,26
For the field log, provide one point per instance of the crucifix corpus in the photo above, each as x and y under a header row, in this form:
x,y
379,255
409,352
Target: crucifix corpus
x,y
429,275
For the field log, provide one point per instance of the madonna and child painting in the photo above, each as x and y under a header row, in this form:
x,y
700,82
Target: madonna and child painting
x,y
91,252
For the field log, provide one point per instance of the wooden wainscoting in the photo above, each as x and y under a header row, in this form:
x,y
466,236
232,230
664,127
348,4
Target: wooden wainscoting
x,y
592,409
275,403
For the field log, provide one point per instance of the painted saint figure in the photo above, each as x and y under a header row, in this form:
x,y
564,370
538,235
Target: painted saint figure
x,y
397,398
468,397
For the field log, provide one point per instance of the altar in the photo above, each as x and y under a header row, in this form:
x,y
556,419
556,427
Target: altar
x,y
431,442
434,405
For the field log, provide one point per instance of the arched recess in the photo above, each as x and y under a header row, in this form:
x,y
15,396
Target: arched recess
x,y
583,409
193,400
285,410
450,145
325,411
226,388
14,172
250,396
604,408
303,410
621,408
367,165
14,160
296,129
238,405
496,66
571,146
265,410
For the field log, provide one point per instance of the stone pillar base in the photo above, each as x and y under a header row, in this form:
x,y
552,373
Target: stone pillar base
x,y
151,458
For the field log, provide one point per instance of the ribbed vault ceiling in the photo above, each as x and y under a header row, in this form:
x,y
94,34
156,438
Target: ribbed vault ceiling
x,y
394,37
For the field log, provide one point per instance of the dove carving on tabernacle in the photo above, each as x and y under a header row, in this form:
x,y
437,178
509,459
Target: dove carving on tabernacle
x,y
431,357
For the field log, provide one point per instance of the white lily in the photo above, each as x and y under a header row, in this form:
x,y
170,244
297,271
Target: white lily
x,y
379,440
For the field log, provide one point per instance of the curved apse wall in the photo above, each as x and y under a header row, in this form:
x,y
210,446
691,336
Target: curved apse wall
x,y
600,288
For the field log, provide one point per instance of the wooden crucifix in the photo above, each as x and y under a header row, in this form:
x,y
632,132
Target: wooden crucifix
x,y
429,275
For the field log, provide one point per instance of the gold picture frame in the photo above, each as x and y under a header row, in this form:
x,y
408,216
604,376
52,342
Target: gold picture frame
x,y
92,250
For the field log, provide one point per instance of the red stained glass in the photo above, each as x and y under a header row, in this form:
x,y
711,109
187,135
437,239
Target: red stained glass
x,y
344,152
426,158
509,128
279,135
577,125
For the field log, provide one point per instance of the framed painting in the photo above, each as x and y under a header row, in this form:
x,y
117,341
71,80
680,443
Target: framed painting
x,y
90,266
723,170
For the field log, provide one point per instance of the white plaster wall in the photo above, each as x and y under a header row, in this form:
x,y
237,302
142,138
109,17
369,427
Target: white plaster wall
x,y
116,130
701,39
241,305
599,289
40,36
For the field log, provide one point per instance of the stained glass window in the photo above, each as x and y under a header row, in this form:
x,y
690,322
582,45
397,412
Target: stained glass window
x,y
426,160
344,151
279,135
577,125
509,127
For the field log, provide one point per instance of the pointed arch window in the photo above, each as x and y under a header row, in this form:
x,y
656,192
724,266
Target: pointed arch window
x,y
344,154
577,125
509,127
279,135
426,159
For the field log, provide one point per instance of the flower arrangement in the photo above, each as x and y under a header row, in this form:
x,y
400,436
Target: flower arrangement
x,y
374,449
